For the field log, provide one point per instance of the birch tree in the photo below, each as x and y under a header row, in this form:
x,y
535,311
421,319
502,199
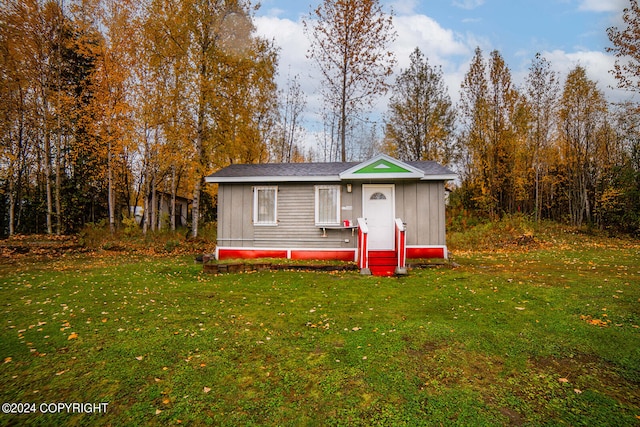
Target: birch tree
x,y
350,42
289,129
582,108
216,79
542,88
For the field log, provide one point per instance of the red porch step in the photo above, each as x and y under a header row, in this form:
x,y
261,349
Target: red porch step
x,y
383,263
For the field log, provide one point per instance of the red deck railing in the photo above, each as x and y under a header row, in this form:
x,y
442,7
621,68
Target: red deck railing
x,y
363,250
401,246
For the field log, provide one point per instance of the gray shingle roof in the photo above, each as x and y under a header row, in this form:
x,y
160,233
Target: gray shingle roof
x,y
329,171
282,169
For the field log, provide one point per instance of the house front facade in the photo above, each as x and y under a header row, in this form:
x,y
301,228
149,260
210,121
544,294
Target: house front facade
x,y
330,210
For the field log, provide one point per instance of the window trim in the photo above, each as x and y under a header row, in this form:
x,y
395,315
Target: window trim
x,y
256,190
338,219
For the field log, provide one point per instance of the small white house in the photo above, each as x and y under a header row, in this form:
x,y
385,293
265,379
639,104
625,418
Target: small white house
x,y
378,212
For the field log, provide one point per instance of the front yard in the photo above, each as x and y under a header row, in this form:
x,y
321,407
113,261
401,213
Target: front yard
x,y
547,335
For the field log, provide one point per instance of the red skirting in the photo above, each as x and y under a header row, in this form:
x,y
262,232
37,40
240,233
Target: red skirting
x,y
427,252
320,254
299,254
251,253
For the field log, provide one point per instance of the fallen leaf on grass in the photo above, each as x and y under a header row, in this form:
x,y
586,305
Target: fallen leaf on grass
x,y
139,357
8,359
595,322
563,380
206,389
72,336
158,411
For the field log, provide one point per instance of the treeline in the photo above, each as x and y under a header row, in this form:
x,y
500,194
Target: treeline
x,y
551,149
112,104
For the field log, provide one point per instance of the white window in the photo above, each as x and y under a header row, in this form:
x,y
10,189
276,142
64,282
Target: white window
x,y
265,205
327,204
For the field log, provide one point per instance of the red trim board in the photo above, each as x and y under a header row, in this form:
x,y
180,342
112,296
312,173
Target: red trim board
x,y
298,253
427,252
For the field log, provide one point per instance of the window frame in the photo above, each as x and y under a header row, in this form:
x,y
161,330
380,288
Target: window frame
x,y
256,207
338,217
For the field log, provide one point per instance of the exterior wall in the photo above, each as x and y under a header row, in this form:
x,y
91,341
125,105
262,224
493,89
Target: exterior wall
x,y
235,204
419,204
296,219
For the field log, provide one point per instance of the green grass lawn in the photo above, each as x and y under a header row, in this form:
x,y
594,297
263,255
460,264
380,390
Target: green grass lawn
x,y
544,336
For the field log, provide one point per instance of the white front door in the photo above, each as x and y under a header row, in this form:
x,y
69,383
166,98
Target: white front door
x,y
378,208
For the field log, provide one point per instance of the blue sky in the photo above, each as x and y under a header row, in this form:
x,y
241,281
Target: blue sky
x,y
566,32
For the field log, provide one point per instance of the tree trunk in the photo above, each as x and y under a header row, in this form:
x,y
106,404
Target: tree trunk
x,y
57,192
154,204
172,210
47,173
147,183
112,215
343,118
12,206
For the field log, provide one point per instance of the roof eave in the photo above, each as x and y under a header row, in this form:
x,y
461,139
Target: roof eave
x,y
322,178
443,177
260,179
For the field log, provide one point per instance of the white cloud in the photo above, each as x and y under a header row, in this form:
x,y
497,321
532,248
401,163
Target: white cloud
x,y
596,64
293,43
442,46
437,43
404,7
603,5
468,4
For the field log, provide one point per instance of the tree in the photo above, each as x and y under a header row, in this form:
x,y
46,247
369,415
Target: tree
x,y
421,118
349,42
542,87
284,147
48,61
473,109
215,80
495,118
507,113
111,103
626,47
582,109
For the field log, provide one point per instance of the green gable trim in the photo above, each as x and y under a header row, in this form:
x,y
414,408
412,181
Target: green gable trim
x,y
382,166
